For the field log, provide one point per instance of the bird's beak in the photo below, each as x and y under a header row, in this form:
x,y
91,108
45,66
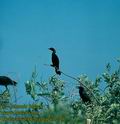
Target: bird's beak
x,y
49,48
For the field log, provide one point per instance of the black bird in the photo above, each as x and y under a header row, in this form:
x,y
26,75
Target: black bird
x,y
84,96
55,61
5,81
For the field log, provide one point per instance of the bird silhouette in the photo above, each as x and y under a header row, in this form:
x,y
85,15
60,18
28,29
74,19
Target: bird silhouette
x,y
55,61
84,96
5,81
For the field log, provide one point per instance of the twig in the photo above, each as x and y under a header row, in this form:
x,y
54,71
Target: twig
x,y
77,81
82,84
14,89
47,65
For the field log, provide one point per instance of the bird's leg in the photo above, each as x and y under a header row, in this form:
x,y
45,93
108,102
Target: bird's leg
x,y
6,88
57,71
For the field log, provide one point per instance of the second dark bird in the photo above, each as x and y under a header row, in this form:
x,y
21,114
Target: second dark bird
x,y
5,81
55,61
84,96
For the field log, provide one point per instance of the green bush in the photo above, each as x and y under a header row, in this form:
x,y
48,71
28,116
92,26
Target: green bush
x,y
58,108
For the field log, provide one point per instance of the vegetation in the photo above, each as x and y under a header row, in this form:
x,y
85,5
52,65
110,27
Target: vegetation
x,y
53,106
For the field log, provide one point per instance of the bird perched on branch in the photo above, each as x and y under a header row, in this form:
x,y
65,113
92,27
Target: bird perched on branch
x,y
5,81
55,61
84,96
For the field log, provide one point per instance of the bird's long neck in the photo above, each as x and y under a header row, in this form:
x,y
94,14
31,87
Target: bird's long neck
x,y
53,52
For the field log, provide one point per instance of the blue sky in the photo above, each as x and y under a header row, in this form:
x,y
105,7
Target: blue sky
x,y
85,33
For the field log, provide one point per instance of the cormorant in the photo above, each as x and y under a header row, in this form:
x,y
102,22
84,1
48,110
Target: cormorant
x,y
55,61
84,96
5,81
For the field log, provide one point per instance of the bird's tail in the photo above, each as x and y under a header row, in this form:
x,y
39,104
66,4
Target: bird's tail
x,y
57,71
14,83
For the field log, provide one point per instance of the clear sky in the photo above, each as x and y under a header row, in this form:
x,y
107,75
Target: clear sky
x,y
85,33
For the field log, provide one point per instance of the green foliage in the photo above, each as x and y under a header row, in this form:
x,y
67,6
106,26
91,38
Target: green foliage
x,y
108,112
4,99
104,108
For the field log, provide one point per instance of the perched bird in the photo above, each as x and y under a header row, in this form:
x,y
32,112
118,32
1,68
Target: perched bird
x,y
84,96
55,61
5,81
